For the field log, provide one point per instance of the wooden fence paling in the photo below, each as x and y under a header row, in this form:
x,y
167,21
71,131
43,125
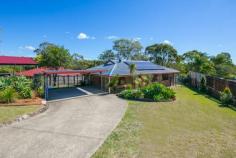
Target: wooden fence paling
x,y
215,84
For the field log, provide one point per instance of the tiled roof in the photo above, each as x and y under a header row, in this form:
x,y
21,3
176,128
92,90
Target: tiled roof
x,y
114,67
32,72
12,60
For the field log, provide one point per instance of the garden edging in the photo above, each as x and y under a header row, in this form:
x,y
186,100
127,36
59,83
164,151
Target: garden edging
x,y
25,116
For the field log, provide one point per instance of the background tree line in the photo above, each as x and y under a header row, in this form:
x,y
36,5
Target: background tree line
x,y
221,65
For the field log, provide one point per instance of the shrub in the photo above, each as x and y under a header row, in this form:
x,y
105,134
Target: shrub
x,y
40,91
25,92
114,83
203,84
131,94
128,86
8,95
155,91
21,85
226,96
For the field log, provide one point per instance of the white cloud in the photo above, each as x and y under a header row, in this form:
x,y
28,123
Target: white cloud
x,y
137,38
27,47
111,37
82,36
167,42
67,32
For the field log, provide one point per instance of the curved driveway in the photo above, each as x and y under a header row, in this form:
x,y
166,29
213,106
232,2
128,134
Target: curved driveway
x,y
72,128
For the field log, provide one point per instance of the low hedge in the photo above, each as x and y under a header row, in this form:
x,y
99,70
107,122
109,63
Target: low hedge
x,y
154,92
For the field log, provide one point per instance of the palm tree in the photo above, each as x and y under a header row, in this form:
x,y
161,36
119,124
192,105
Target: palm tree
x,y
132,70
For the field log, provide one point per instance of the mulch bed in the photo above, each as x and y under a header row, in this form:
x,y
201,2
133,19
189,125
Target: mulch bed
x,y
24,102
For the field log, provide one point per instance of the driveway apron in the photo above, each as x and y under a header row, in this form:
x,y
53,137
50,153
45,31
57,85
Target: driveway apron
x,y
72,128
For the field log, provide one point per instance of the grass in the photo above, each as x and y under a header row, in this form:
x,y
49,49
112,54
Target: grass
x,y
8,113
191,126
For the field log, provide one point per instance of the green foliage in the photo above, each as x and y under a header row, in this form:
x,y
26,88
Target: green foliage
x,y
199,62
162,54
155,92
37,81
131,94
40,91
21,85
53,56
139,56
222,58
226,96
107,55
85,64
8,95
203,84
158,92
126,48
128,86
114,82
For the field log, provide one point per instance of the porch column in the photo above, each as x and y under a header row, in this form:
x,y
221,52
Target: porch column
x,y
109,88
101,79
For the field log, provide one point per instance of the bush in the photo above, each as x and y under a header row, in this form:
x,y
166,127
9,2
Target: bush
x,y
8,95
155,91
131,94
226,96
21,85
203,84
40,91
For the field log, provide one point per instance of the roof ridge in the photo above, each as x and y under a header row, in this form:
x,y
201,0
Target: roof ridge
x,y
110,74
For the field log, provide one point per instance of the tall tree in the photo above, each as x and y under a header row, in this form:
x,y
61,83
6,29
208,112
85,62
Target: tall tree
x,y
222,58
51,55
107,55
126,48
224,65
76,60
139,56
198,62
162,54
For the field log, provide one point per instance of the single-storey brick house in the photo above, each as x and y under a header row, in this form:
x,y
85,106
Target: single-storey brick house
x,y
121,69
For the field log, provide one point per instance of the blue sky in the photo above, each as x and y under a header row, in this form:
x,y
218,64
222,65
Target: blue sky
x,y
89,26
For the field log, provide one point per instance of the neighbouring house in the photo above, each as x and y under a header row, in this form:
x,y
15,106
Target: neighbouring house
x,y
119,68
21,62
14,60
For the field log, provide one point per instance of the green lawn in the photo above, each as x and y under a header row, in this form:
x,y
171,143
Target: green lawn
x,y
8,113
192,126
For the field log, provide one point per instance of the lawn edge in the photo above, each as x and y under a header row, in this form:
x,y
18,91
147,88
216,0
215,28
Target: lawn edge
x,y
90,155
25,116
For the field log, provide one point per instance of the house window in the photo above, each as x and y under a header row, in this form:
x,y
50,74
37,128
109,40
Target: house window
x,y
165,77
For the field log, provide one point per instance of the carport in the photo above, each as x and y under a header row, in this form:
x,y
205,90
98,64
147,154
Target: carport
x,y
61,84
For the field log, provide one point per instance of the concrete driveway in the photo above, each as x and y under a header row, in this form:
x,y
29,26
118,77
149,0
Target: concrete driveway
x,y
72,128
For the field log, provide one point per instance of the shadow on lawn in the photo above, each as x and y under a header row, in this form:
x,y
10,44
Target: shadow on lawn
x,y
208,96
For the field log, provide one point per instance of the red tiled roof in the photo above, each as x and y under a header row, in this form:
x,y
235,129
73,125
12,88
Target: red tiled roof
x,y
61,72
32,72
12,60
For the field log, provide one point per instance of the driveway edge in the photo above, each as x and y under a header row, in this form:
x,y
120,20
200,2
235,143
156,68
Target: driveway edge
x,y
89,155
25,116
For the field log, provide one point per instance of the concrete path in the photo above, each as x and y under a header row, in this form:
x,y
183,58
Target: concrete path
x,y
68,129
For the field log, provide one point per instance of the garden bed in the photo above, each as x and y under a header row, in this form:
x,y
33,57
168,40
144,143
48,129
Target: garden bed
x,y
24,102
155,92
